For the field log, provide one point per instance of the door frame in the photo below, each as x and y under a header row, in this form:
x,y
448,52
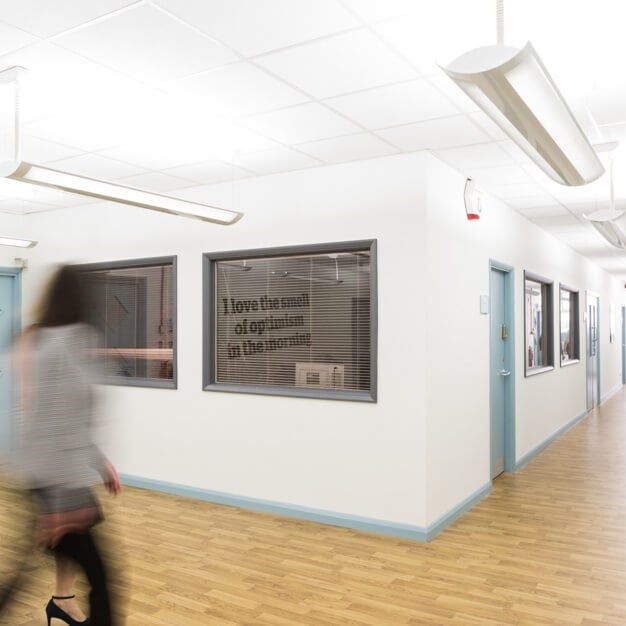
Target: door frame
x,y
15,274
623,339
509,403
595,295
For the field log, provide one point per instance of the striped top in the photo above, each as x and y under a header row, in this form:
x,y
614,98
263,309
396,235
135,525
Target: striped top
x,y
56,372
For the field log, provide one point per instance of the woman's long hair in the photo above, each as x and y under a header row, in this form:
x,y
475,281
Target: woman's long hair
x,y
63,301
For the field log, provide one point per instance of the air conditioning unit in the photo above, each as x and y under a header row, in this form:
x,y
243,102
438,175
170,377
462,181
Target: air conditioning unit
x,y
321,375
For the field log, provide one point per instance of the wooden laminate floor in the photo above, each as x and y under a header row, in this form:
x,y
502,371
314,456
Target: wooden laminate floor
x,y
546,547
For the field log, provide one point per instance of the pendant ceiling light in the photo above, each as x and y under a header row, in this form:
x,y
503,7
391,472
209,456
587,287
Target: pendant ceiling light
x,y
607,221
17,243
514,88
16,169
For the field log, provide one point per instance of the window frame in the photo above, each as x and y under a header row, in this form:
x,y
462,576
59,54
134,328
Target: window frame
x,y
209,337
547,302
574,327
159,383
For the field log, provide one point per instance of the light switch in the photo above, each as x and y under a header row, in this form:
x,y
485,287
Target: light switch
x,y
484,305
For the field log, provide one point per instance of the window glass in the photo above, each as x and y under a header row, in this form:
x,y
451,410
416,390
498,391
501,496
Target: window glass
x,y
538,323
294,321
132,304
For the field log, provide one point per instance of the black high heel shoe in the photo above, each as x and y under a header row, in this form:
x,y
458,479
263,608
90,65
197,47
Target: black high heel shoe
x,y
54,610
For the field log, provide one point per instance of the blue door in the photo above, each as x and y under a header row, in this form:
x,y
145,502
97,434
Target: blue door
x,y
9,326
501,378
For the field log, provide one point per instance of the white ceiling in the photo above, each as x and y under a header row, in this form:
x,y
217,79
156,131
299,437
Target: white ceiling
x,y
173,94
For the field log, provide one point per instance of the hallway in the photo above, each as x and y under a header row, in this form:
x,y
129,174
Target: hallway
x,y
546,547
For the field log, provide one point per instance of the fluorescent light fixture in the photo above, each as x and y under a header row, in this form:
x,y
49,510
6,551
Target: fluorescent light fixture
x,y
605,222
17,243
92,188
515,90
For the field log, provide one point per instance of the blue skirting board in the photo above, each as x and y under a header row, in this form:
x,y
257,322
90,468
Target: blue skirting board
x,y
544,444
345,520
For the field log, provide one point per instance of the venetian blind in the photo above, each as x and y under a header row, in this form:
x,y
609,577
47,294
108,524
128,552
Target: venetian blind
x,y
133,307
295,321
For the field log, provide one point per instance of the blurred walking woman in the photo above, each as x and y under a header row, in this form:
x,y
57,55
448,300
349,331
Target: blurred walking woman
x,y
57,455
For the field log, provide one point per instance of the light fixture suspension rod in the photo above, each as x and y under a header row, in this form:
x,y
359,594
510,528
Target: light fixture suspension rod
x,y
500,22
10,78
16,119
611,184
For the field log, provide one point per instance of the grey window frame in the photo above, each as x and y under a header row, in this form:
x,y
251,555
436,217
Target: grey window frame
x,y
137,263
575,326
547,302
209,321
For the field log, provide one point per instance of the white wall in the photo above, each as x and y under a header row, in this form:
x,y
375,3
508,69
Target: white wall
x,y
457,408
355,458
424,447
12,226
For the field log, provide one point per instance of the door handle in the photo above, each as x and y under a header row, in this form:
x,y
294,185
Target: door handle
x,y
504,373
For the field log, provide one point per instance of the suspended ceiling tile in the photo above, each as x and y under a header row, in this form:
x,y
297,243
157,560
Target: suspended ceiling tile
x,y
348,148
519,156
488,126
20,206
155,181
537,206
522,190
257,26
581,208
501,178
536,212
473,157
189,140
436,134
12,38
392,105
65,130
215,138
452,92
36,150
96,166
152,156
301,123
339,64
439,32
54,79
44,18
591,193
276,160
209,172
238,89
146,44
582,235
374,10
556,223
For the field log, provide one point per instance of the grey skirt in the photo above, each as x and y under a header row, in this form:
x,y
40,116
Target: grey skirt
x,y
61,499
